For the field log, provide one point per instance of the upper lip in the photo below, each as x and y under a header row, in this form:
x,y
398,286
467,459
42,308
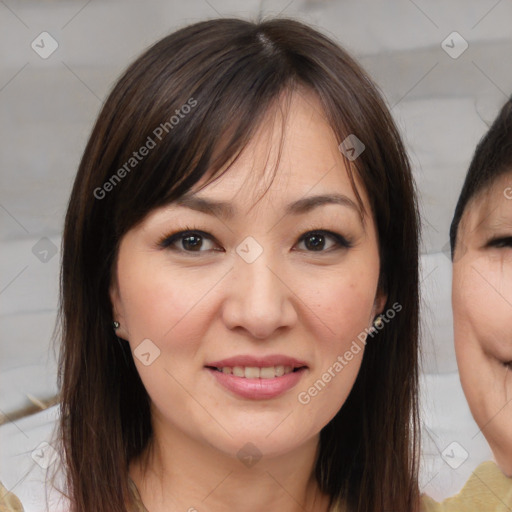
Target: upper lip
x,y
258,362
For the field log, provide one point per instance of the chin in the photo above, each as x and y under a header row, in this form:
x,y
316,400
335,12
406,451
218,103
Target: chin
x,y
257,444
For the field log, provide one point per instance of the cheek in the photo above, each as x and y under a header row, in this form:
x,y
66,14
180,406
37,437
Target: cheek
x,y
173,309
342,308
159,301
495,274
483,341
347,299
346,307
482,305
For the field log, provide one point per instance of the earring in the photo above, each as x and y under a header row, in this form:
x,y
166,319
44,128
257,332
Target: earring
x,y
116,324
378,322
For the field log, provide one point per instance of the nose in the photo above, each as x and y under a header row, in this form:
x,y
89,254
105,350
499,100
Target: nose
x,y
259,300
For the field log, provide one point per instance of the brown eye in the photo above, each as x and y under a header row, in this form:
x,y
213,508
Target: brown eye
x,y
189,241
317,240
192,242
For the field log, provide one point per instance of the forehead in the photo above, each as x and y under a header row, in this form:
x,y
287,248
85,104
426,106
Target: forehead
x,y
293,152
490,210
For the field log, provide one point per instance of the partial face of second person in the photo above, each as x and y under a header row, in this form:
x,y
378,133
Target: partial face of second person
x,y
303,285
482,306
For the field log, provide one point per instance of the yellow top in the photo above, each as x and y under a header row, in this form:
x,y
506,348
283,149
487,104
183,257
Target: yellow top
x,y
8,501
487,490
139,505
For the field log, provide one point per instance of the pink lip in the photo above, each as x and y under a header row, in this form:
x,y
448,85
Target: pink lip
x,y
259,362
257,389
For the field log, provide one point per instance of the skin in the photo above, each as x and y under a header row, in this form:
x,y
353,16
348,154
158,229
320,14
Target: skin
x,y
482,306
211,304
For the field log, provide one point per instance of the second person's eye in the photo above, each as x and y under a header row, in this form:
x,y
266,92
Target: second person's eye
x,y
500,242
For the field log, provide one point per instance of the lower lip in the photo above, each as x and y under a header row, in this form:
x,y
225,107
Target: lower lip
x,y
258,389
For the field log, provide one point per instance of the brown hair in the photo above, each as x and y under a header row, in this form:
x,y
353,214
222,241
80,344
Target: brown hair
x,y
492,158
234,70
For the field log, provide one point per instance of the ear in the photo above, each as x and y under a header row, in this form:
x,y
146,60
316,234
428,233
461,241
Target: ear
x,y
118,310
381,298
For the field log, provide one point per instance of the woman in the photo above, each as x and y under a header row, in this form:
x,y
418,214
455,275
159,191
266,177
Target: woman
x,y
239,284
481,242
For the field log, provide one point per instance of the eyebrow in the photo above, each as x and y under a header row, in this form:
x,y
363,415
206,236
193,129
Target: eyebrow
x,y
226,210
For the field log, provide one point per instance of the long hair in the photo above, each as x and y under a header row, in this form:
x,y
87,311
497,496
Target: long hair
x,y
194,100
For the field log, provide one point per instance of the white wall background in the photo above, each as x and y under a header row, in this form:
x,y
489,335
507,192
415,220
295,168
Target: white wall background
x,y
442,104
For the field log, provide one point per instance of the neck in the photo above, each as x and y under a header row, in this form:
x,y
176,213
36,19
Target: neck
x,y
178,473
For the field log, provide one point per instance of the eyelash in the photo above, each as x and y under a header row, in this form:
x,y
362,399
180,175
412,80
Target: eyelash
x,y
167,241
500,243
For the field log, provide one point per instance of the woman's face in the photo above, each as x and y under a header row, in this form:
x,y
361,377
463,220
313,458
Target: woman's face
x,y
482,306
254,289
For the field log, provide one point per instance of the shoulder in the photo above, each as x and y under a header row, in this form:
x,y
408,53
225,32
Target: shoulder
x,y
28,461
9,502
137,501
427,504
487,490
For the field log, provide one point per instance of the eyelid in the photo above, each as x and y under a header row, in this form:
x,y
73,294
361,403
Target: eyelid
x,y
500,242
342,241
166,241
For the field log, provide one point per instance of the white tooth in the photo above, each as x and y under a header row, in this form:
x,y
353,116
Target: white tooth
x,y
227,370
288,369
252,372
268,372
238,371
279,371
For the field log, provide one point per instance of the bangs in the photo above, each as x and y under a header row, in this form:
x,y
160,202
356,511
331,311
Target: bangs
x,y
182,114
189,128
176,116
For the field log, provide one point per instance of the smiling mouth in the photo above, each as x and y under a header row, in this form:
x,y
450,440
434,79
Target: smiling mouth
x,y
255,372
